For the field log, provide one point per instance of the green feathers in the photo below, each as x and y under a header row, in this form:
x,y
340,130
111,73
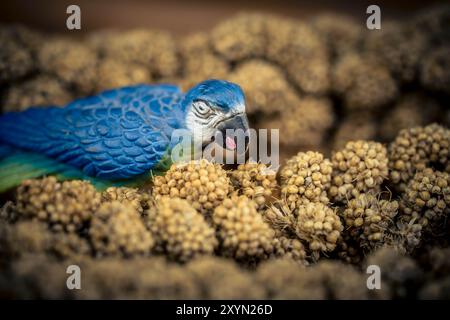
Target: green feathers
x,y
21,165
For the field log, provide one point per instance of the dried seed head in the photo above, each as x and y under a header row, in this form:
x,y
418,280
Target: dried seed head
x,y
242,231
180,231
42,90
116,229
367,219
415,149
240,37
128,196
71,61
204,192
358,168
256,181
306,178
319,226
359,91
426,200
67,205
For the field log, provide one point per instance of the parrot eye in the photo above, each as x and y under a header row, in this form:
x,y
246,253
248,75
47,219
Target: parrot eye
x,y
202,109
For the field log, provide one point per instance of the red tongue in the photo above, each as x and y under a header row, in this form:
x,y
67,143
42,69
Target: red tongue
x,y
229,142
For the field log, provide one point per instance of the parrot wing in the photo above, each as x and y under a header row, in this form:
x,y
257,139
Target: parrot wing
x,y
118,134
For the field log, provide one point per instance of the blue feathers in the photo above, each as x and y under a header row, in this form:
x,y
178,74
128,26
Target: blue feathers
x,y
223,94
117,134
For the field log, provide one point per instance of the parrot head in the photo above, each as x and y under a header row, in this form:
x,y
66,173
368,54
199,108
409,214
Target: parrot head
x,y
216,106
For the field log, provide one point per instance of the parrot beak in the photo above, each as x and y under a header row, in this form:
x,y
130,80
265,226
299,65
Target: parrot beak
x,y
231,130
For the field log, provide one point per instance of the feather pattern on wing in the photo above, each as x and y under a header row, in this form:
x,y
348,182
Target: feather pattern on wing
x,y
116,134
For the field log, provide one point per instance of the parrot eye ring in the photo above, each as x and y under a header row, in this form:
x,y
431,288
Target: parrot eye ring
x,y
202,109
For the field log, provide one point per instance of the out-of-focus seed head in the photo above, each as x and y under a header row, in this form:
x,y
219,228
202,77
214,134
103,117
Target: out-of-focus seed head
x,y
410,111
299,49
242,231
199,61
355,126
153,49
42,90
240,37
399,47
435,74
267,92
117,229
15,59
114,73
363,83
180,231
70,61
341,33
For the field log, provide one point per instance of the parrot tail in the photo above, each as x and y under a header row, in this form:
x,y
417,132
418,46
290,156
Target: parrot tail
x,y
17,165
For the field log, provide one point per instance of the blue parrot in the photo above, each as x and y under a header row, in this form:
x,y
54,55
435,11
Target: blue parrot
x,y
118,137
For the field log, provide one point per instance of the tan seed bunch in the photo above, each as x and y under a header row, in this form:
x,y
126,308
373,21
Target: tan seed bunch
x,y
356,126
72,62
348,249
203,184
32,237
179,229
399,47
199,60
65,205
69,246
289,248
368,218
219,278
358,168
363,82
281,218
410,111
113,73
435,73
269,92
299,49
116,229
256,181
306,178
341,33
128,196
23,237
404,236
415,149
426,199
155,50
42,90
15,59
319,226
242,230
240,37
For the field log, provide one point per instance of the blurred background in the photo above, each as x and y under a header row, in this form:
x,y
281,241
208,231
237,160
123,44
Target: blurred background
x,y
182,17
